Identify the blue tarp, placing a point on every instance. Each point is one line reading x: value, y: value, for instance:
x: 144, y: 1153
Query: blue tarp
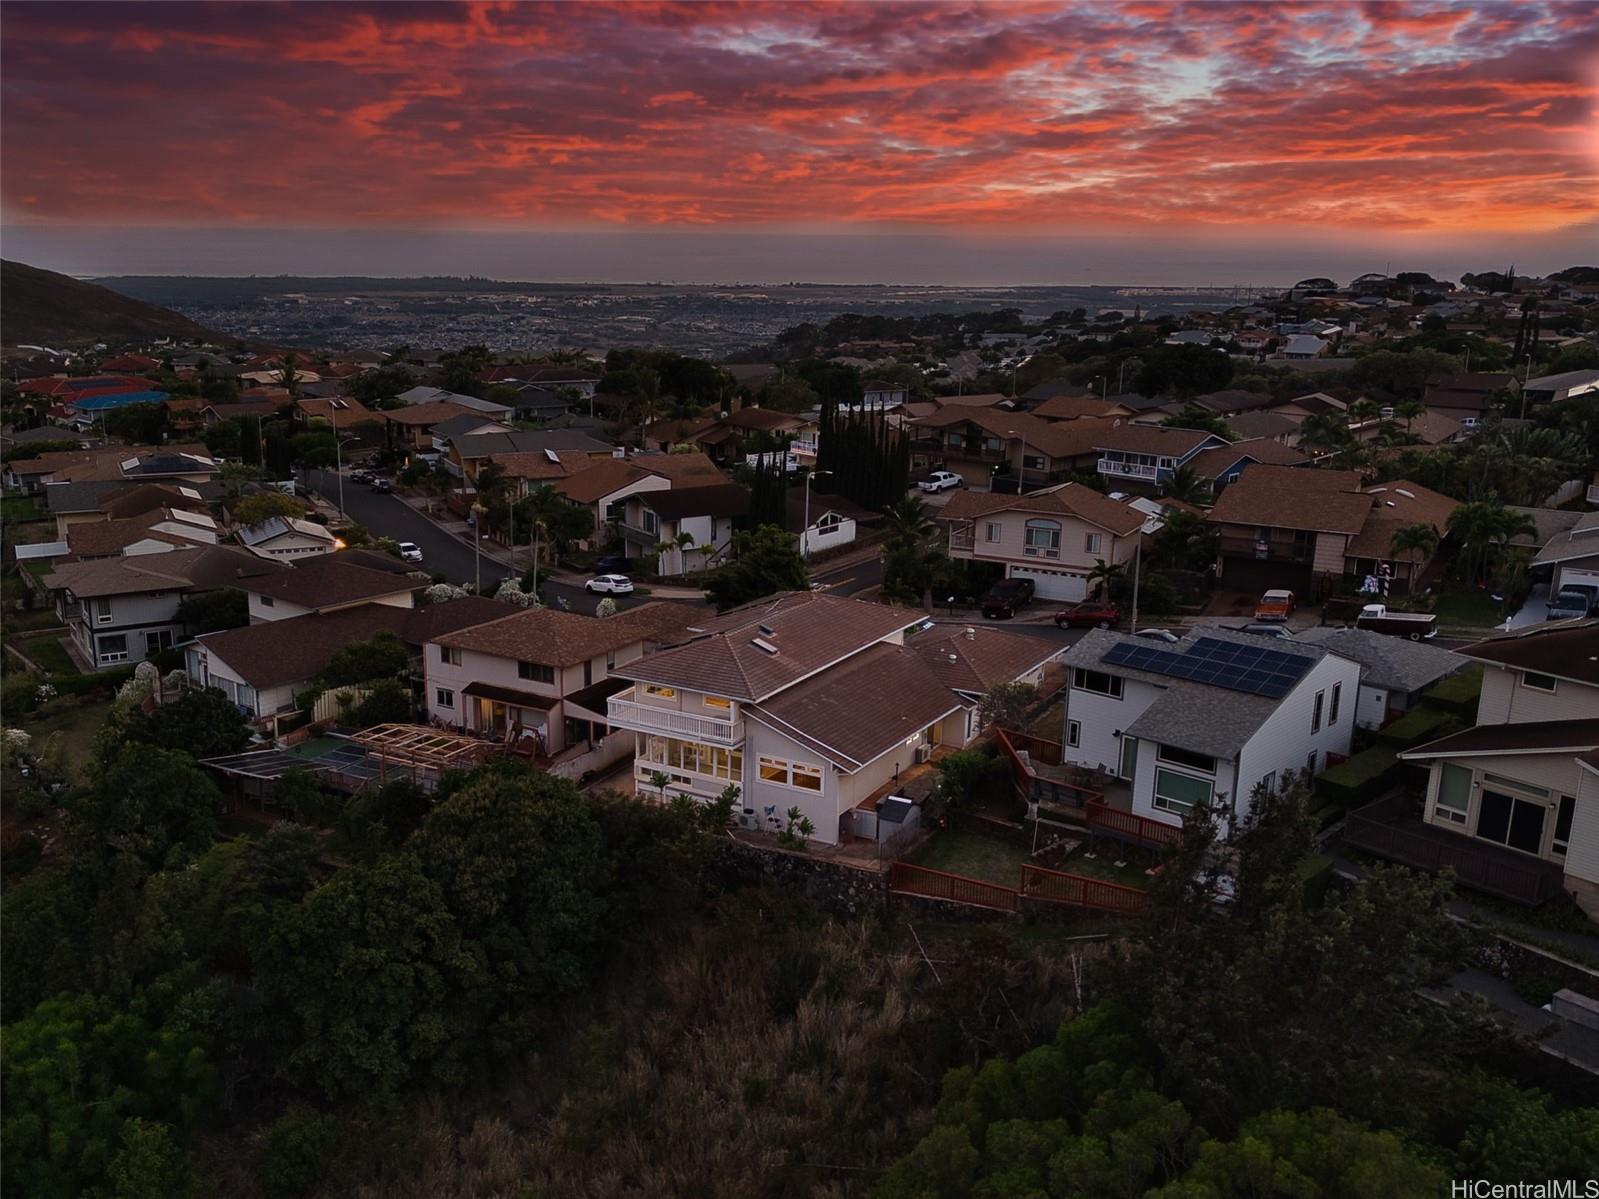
x: 120, y: 400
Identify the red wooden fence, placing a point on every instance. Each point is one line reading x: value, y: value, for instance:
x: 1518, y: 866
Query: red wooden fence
x: 1081, y: 891
x: 936, y: 884
x: 1140, y: 830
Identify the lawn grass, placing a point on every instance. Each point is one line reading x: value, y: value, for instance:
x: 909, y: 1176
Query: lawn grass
x: 1103, y: 866
x: 1469, y: 607
x: 19, y: 508
x: 975, y: 856
x: 49, y: 653
x: 77, y: 724
x: 39, y: 569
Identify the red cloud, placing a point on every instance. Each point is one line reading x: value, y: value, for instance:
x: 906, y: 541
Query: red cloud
x: 1399, y: 116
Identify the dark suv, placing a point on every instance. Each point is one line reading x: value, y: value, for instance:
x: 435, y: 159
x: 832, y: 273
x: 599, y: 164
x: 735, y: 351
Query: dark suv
x: 1007, y: 597
x: 1573, y: 601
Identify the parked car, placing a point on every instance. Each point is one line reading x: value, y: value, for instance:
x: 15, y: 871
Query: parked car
x: 612, y: 564
x: 1266, y: 630
x: 1573, y: 601
x: 1415, y: 625
x: 382, y: 486
x: 1158, y: 635
x: 360, y: 476
x: 1088, y: 615
x: 941, y: 480
x: 1007, y: 597
x: 410, y: 551
x: 1276, y: 604
x: 615, y: 584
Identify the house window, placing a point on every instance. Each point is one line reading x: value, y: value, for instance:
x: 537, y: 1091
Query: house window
x: 154, y: 643
x: 1043, y: 537
x: 717, y: 704
x: 658, y: 692
x: 1538, y: 682
x: 1562, y: 839
x: 1310, y: 763
x: 1074, y: 733
x: 1178, y: 793
x: 1315, y: 712
x: 1454, y: 794
x: 114, y: 648
x: 1129, y: 758
x: 1509, y: 821
x: 1268, y: 785
x: 1098, y: 682
x: 992, y: 531
x: 791, y: 774
x: 102, y: 611
x: 1033, y: 462
x: 651, y: 522
x: 1182, y: 757
x: 953, y: 440
x: 535, y: 672
x: 1091, y: 543
x: 1332, y: 709
x: 610, y: 660
x: 449, y: 655
x: 992, y: 443
x: 444, y: 697
x: 268, y: 602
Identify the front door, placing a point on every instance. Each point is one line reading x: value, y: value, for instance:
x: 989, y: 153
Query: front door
x: 1129, y: 756
x: 1510, y: 821
x: 491, y: 717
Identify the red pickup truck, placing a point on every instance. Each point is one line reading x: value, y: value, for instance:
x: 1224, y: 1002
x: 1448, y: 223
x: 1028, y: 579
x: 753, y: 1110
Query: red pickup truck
x: 1275, y: 605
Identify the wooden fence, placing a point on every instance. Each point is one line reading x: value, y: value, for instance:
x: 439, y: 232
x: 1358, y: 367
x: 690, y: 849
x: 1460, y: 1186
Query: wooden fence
x: 1128, y: 826
x: 1082, y: 891
x: 936, y: 884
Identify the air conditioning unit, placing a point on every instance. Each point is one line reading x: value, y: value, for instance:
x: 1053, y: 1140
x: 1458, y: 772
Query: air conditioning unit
x: 923, y: 752
x: 746, y: 819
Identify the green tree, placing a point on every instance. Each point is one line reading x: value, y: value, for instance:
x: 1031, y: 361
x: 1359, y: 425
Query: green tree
x: 1103, y: 576
x: 1186, y: 486
x: 381, y: 656
x: 908, y: 523
x: 298, y: 1146
x: 202, y: 721
x: 148, y: 1164
x: 253, y: 509
x: 209, y: 611
x: 1413, y: 543
x: 153, y: 803
x: 1197, y: 416
x: 764, y: 561
x: 388, y: 702
x: 1005, y: 704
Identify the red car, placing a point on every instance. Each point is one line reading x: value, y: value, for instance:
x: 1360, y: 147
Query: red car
x: 1088, y: 616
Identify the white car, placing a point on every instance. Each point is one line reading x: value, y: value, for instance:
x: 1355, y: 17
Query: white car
x: 615, y: 584
x: 941, y: 480
x: 410, y: 551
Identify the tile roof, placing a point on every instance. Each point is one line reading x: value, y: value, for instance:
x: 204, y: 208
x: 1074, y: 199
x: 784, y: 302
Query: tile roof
x: 810, y: 631
x: 974, y: 659
x: 552, y: 638
x: 1068, y: 499
x: 1391, y: 663
x: 678, y: 503
x: 1290, y: 497
x: 1075, y: 407
x: 1568, y: 649
x: 1153, y: 439
x: 1538, y: 736
x: 328, y: 580
x: 201, y: 568
x: 96, y: 537
x: 862, y: 708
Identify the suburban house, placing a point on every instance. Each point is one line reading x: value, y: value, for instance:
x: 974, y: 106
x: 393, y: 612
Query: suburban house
x: 977, y: 443
x: 880, y: 396
x: 125, y: 609
x: 1394, y: 671
x: 1267, y: 425
x: 438, y: 395
x: 1516, y: 795
x: 1551, y: 389
x: 154, y: 532
x: 1054, y: 537
x: 537, y: 401
x: 690, y: 528
x: 554, y: 377
x: 1149, y: 454
x: 1206, y: 720
x: 262, y: 667
x: 1572, y: 555
x: 340, y: 413
x: 287, y: 537
x: 1304, y: 345
x: 117, y: 499
x: 1469, y: 397
x: 418, y: 425
x: 834, y: 520
x: 1075, y: 407
x: 1222, y: 465
x: 468, y: 452
x: 972, y: 661
x: 177, y: 464
x: 603, y: 486
x: 801, y: 700
x: 328, y: 582
x: 540, y: 676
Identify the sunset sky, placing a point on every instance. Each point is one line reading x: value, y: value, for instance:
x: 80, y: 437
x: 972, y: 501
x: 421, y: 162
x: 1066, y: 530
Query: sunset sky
x: 1240, y: 140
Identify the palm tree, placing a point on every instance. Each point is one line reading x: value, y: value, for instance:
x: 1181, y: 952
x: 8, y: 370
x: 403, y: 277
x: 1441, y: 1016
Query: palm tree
x: 493, y: 485
x: 1363, y: 410
x: 1409, y: 411
x: 289, y: 373
x: 1485, y: 527
x: 1327, y: 430
x: 1103, y: 577
x: 1186, y: 485
x: 908, y: 522
x: 1415, y: 542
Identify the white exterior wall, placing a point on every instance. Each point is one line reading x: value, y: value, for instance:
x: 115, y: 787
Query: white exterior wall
x: 1557, y: 773
x: 133, y: 616
x: 266, y: 607
x: 1101, y: 720
x: 823, y: 807
x: 1505, y: 700
x: 1284, y: 740
x: 484, y: 668
x: 1579, y: 572
x: 1582, y: 856
x: 1223, y: 784
x: 292, y: 545
x: 814, y: 540
x: 1372, y: 711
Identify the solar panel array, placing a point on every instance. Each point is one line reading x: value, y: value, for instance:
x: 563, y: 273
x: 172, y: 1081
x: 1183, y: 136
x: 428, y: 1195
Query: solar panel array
x: 1251, y: 669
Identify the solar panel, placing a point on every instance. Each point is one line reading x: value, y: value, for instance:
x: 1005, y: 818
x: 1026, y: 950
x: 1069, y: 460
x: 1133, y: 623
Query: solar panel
x: 1248, y: 669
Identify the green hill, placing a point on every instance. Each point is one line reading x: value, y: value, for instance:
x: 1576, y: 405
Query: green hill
x: 44, y: 308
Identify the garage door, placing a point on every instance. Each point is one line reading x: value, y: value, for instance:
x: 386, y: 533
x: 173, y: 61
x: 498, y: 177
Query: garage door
x: 1578, y: 577
x: 1053, y: 584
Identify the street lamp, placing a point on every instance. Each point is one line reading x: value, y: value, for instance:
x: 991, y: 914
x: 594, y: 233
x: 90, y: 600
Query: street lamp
x: 477, y: 546
x: 805, y: 529
x: 338, y: 463
x: 1021, y: 463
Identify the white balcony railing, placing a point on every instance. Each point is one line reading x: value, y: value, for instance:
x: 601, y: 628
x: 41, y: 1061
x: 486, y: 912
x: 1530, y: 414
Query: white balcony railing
x: 624, y: 712
x: 1135, y: 470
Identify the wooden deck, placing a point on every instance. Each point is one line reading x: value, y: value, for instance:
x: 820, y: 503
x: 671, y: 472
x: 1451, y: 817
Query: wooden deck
x: 1391, y: 828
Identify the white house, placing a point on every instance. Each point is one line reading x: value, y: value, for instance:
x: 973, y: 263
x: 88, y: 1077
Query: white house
x: 880, y: 396
x: 1205, y: 720
x: 287, y: 537
x: 690, y: 528
x: 1394, y: 671
x: 803, y: 701
x: 1573, y: 554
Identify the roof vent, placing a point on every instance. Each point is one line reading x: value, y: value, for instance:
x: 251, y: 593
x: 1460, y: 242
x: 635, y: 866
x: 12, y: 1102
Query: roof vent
x: 766, y: 647
x: 954, y: 657
x: 767, y: 630
x: 971, y: 633
x: 552, y: 456
x: 1409, y: 495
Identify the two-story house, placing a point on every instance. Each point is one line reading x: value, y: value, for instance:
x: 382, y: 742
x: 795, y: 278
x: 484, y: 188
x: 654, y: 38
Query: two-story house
x: 287, y: 537
x: 329, y: 582
x: 125, y: 609
x: 603, y: 486
x: 688, y: 528
x: 1148, y: 455
x: 801, y: 700
x: 1205, y: 720
x: 1281, y: 526
x: 539, y: 675
x: 1055, y: 536
x: 1520, y: 789
x: 877, y: 395
x: 977, y: 443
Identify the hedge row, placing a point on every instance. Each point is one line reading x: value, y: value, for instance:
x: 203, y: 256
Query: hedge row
x: 1458, y: 693
x: 1416, y: 726
x: 1359, y: 778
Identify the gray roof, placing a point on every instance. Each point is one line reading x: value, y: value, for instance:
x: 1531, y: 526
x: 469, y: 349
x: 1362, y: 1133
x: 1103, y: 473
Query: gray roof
x: 1391, y: 663
x: 1547, y: 522
x: 276, y: 526
x: 87, y: 495
x: 1562, y: 381
x: 482, y: 445
x: 455, y: 426
x: 1579, y: 541
x: 1193, y: 716
x: 45, y: 433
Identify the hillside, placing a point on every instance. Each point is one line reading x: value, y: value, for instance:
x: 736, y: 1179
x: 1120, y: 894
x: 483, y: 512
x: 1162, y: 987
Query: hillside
x: 44, y: 308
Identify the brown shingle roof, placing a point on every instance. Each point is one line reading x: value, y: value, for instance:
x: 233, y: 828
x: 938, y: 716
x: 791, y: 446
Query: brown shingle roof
x: 862, y: 708
x: 1207, y: 463
x: 326, y: 581
x: 553, y: 638
x: 88, y: 538
x: 599, y: 479
x: 1290, y: 497
x: 973, y: 660
x: 677, y: 503
x: 767, y: 419
x: 200, y: 568
x: 146, y: 497
x: 279, y: 652
x: 1539, y: 736
x: 810, y: 631
x: 1566, y: 649
x: 1056, y: 439
x: 1152, y: 439
x: 341, y: 413
x: 536, y: 464
x: 1067, y: 407
x: 430, y: 413
x: 1070, y: 499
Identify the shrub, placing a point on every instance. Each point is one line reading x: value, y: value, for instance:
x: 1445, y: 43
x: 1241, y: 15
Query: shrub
x: 1458, y: 693
x: 1416, y: 726
x: 1360, y: 777
x: 298, y: 1144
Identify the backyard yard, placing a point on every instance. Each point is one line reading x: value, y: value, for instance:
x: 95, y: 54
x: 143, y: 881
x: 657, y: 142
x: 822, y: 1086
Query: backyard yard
x: 77, y: 724
x: 975, y: 856
x: 48, y: 652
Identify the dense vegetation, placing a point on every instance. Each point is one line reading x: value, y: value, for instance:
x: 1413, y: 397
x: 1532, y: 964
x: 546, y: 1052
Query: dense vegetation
x: 52, y: 309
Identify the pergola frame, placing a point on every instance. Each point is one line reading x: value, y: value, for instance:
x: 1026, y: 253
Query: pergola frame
x: 419, y: 746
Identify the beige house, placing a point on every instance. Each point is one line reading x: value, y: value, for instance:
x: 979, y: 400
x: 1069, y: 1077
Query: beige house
x: 1055, y: 537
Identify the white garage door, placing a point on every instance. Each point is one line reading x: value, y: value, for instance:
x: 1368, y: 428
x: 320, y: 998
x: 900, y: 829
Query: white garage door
x: 1053, y: 584
x: 1578, y: 577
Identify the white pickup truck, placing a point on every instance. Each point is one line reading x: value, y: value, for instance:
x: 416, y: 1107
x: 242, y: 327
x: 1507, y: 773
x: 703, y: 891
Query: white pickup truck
x: 941, y: 480
x: 1415, y: 625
